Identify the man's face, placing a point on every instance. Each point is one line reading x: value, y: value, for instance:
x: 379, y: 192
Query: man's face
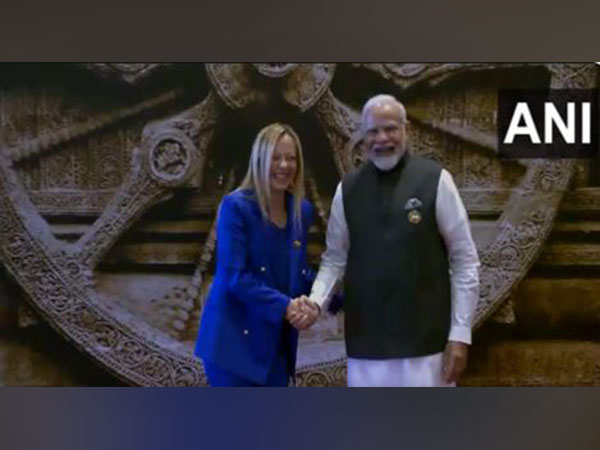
x: 385, y: 136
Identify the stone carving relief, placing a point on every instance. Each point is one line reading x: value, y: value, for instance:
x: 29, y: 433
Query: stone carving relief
x: 302, y: 84
x: 170, y: 154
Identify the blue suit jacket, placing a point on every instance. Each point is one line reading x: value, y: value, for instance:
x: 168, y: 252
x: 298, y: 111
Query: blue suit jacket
x: 243, y: 316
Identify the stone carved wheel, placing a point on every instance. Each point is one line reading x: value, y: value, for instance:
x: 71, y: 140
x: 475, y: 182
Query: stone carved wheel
x: 125, y: 168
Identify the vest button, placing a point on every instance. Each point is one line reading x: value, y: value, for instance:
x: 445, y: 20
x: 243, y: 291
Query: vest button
x: 263, y: 269
x: 246, y: 332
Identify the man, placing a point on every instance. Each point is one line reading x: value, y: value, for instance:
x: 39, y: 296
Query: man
x: 400, y: 233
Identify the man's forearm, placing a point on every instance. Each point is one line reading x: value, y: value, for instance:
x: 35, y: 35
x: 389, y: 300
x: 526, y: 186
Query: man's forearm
x: 325, y: 284
x: 333, y: 262
x: 465, y: 294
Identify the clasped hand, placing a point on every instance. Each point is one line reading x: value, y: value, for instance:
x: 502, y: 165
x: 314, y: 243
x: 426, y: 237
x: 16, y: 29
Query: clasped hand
x: 302, y: 313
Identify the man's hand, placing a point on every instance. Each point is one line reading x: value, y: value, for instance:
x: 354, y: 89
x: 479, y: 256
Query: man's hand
x: 455, y: 360
x: 302, y: 313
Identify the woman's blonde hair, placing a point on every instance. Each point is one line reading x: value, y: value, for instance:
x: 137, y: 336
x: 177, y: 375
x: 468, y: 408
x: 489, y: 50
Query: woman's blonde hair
x: 259, y: 168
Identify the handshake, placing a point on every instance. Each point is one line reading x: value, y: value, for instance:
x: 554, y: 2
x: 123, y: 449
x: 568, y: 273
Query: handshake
x: 302, y: 312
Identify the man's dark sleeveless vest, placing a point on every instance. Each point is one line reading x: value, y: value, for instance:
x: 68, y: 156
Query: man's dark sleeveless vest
x: 397, y: 285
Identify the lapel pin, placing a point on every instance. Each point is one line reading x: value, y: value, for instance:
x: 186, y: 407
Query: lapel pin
x: 414, y: 217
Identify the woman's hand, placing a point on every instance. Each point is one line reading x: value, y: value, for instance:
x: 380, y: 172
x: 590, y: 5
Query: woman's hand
x: 302, y: 313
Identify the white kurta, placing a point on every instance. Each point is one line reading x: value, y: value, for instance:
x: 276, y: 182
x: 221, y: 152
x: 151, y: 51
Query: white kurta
x: 453, y: 225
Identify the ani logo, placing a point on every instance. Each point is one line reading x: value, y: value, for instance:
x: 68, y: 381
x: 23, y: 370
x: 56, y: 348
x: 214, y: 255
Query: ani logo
x: 555, y: 123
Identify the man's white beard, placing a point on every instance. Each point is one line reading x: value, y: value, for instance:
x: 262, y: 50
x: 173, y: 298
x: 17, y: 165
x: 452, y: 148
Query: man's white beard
x: 386, y: 163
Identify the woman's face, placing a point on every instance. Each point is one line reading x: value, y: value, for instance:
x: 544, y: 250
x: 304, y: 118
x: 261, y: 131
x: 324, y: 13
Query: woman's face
x: 283, y: 164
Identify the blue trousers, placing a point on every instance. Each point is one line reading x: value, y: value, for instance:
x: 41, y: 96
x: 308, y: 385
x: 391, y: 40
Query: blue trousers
x: 278, y: 375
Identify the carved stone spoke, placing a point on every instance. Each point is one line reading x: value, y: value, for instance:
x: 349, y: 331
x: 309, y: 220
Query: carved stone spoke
x: 341, y: 124
x: 468, y: 135
x: 38, y: 146
x: 172, y: 152
x: 134, y: 198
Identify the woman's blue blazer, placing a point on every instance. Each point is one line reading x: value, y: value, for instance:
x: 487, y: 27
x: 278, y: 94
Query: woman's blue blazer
x: 242, y: 320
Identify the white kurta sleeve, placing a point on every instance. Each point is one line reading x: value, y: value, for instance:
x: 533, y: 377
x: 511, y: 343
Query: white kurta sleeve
x: 333, y: 260
x: 453, y: 225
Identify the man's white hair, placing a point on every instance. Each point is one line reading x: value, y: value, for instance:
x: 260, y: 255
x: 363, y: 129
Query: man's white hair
x: 383, y: 99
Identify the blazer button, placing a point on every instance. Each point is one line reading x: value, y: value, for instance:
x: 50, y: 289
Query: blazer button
x: 303, y: 271
x: 246, y: 332
x: 263, y: 269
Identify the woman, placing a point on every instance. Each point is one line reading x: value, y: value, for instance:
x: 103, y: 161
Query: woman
x: 246, y: 336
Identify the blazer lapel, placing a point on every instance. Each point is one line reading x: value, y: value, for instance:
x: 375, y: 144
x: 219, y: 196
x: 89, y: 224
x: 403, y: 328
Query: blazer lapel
x: 294, y: 236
